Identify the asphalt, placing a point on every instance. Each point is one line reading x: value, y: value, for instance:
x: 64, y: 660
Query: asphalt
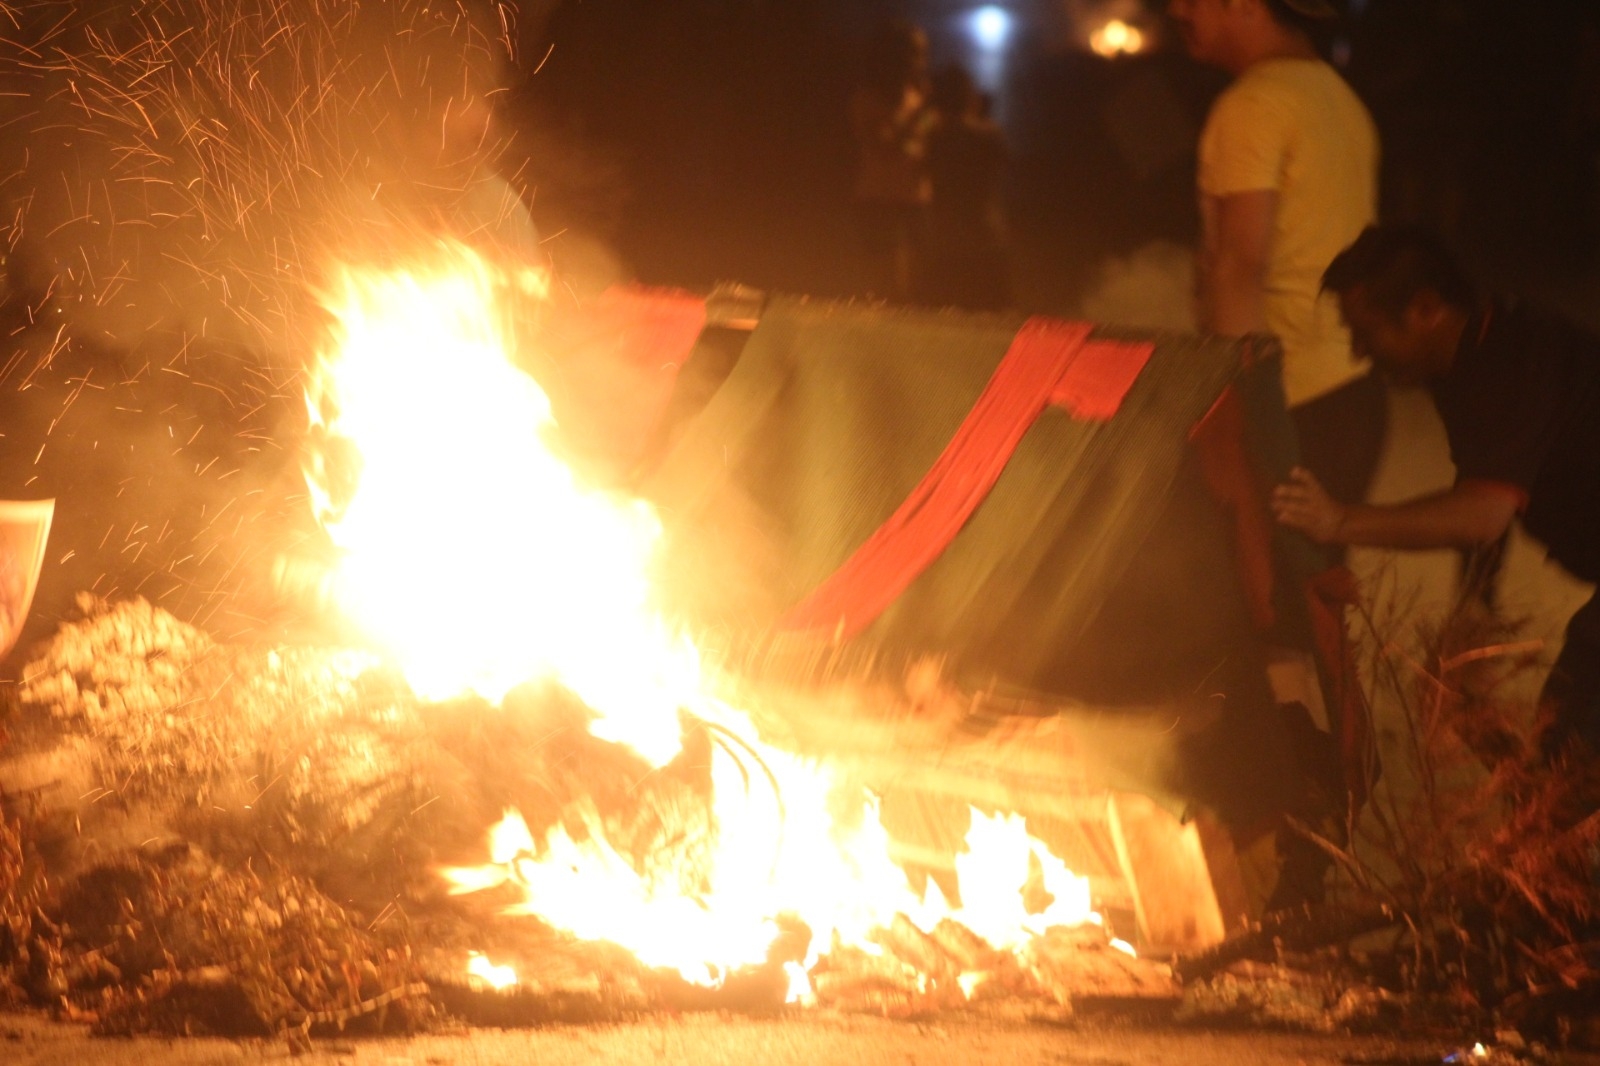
x: 713, y: 1040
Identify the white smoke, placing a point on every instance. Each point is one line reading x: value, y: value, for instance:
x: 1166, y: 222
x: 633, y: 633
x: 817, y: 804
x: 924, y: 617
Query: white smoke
x: 1152, y: 287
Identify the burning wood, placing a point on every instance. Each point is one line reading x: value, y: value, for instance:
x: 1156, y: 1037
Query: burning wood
x: 322, y: 765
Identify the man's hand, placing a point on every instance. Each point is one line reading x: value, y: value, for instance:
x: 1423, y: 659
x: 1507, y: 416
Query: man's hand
x: 1302, y: 503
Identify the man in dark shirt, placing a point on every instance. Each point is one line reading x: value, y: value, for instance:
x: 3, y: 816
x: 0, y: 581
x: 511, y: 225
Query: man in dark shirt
x: 1519, y: 393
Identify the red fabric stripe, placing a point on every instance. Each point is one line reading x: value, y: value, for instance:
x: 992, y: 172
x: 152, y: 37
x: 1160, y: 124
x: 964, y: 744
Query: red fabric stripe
x: 1095, y: 383
x: 925, y: 524
x: 1329, y: 595
x: 1218, y: 438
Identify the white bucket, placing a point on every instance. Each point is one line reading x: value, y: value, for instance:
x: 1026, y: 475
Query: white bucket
x: 24, y: 528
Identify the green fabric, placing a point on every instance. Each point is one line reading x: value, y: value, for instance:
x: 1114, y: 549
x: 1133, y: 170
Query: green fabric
x: 1098, y: 570
x: 833, y: 415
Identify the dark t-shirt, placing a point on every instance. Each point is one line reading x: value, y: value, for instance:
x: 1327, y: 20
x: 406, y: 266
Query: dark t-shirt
x: 1521, y: 406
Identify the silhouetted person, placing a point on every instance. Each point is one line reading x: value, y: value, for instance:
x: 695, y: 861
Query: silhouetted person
x: 888, y: 119
x: 964, y: 255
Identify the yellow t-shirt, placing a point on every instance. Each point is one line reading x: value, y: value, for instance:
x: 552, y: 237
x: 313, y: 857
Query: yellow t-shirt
x: 1293, y: 126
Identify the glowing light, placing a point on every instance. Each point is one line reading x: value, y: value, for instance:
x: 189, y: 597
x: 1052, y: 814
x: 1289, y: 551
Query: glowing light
x: 460, y: 510
x: 799, y: 987
x: 1116, y: 38
x: 481, y: 969
x: 835, y: 877
x: 990, y: 26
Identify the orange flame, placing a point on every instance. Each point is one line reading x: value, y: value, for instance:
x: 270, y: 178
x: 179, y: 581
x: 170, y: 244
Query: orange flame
x: 499, y: 978
x: 469, y: 550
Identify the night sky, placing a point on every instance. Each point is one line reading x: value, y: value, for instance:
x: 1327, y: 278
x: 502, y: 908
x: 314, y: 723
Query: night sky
x: 720, y: 128
x: 179, y: 171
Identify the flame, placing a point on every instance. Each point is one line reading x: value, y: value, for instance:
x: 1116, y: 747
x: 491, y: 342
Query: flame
x: 462, y: 511
x: 841, y: 884
x: 472, y: 554
x: 498, y: 978
x: 1116, y: 38
x: 992, y: 873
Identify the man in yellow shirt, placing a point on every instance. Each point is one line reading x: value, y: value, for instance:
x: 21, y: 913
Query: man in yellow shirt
x: 1288, y: 179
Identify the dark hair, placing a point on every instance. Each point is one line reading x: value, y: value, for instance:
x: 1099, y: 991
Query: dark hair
x: 1394, y: 263
x: 1320, y: 29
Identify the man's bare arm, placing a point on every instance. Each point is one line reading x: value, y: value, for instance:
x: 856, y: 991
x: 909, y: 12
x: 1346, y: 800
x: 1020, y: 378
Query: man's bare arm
x: 1472, y: 513
x: 1233, y: 292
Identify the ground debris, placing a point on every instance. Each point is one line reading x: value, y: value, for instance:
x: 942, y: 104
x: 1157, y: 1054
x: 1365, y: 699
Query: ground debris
x: 172, y: 710
x: 168, y: 941
x: 1507, y: 1048
x: 1322, y: 998
x: 1299, y: 929
x: 223, y: 796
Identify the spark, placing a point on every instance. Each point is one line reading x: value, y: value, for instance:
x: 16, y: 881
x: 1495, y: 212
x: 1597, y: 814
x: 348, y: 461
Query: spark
x: 188, y: 168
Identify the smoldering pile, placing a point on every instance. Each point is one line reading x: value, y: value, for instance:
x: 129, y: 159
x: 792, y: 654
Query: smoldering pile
x: 205, y: 836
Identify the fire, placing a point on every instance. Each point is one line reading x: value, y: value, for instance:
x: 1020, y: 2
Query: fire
x: 1116, y: 38
x: 463, y: 512
x: 841, y: 885
x: 475, y: 557
x: 497, y: 977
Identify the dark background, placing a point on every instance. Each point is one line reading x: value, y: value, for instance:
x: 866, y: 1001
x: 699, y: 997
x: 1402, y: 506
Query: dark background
x: 172, y: 202
x: 705, y: 141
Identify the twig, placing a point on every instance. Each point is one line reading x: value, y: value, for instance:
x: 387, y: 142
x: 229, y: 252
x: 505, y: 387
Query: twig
x: 302, y: 1021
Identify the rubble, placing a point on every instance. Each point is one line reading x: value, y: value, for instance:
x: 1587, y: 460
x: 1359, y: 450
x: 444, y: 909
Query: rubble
x: 204, y: 837
x: 192, y: 810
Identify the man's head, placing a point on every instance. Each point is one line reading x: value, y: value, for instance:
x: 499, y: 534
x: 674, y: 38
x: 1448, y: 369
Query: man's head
x: 1232, y: 34
x: 1405, y: 299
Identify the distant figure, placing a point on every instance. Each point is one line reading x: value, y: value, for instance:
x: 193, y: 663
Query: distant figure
x: 964, y: 255
x: 888, y: 118
x: 1288, y: 178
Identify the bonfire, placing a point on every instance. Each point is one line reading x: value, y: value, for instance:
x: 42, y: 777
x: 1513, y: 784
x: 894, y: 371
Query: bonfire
x: 351, y: 697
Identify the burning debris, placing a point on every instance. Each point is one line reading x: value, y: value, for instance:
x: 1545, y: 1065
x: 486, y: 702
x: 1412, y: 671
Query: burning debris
x: 284, y: 777
x: 280, y: 837
x: 726, y: 869
x: 667, y: 825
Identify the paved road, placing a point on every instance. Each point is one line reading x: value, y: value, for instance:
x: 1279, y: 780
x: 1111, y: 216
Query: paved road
x: 708, y: 1040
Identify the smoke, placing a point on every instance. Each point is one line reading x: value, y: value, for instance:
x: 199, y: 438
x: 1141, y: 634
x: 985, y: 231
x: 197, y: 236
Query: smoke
x: 1151, y: 287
